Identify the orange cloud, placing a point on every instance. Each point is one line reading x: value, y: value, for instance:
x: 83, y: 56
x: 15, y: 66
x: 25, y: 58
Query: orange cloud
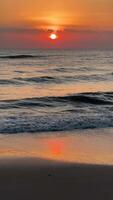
x: 86, y: 23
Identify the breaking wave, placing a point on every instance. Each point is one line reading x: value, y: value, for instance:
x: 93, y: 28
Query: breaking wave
x: 45, y: 114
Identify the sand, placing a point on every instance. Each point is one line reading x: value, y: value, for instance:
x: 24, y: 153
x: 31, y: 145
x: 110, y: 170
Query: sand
x: 33, y: 179
x: 25, y: 174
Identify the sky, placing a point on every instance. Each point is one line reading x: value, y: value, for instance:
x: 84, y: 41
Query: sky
x: 78, y: 24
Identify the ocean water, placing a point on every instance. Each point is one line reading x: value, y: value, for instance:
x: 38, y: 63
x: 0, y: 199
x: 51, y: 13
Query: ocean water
x: 55, y: 90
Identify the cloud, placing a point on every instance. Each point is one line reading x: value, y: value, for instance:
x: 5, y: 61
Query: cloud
x: 19, y: 30
x: 27, y: 35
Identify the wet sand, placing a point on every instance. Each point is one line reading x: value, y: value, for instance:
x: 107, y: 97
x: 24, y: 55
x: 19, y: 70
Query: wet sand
x: 30, y: 178
x: 32, y: 167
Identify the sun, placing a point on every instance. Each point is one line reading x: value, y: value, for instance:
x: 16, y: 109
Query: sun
x: 53, y: 36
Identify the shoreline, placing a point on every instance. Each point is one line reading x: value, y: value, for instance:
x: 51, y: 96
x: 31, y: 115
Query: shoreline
x: 39, y: 167
x: 29, y: 178
x: 83, y: 146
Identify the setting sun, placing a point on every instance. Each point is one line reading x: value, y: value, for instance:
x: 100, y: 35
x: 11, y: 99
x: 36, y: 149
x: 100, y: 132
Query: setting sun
x: 53, y: 36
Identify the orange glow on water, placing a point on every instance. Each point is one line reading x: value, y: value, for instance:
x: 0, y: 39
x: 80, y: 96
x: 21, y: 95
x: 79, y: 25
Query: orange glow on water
x: 55, y: 147
x: 93, y: 146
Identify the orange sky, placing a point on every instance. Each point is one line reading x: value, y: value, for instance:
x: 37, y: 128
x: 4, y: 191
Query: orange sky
x: 83, y: 23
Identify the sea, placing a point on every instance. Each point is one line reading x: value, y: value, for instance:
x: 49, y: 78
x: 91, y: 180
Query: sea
x: 57, y: 105
x: 55, y: 90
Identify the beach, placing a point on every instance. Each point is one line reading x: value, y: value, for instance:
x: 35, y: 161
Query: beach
x: 45, y: 179
x: 54, y: 167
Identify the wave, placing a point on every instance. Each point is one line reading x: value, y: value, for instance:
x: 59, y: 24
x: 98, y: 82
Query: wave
x: 62, y: 79
x: 21, y: 56
x: 42, y: 79
x: 26, y: 56
x: 53, y: 122
x: 81, y: 99
x: 87, y: 99
x: 62, y: 113
x: 55, y: 79
x: 4, y: 81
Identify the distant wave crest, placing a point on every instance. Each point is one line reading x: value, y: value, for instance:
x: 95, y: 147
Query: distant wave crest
x: 20, y: 56
x: 42, y: 79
